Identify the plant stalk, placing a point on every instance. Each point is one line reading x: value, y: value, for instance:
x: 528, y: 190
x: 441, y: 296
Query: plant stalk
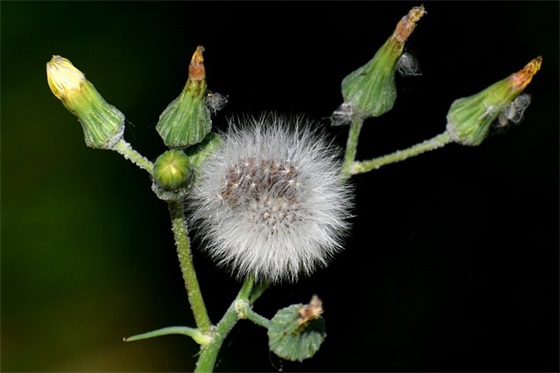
x: 182, y: 242
x: 400, y: 155
x: 122, y: 147
x: 351, y: 147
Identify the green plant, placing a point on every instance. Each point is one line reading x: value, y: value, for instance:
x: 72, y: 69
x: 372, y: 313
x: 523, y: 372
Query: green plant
x: 182, y: 178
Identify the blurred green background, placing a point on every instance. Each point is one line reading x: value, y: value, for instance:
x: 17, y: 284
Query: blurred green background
x: 453, y: 261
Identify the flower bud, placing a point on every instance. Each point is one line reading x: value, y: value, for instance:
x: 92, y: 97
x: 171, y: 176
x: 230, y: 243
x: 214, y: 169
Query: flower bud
x: 371, y: 89
x: 103, y: 124
x: 186, y: 121
x: 469, y: 119
x: 171, y: 175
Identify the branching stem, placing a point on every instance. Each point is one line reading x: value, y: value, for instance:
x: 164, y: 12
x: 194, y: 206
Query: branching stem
x: 400, y: 155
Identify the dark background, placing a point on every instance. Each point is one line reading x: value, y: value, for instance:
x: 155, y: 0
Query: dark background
x: 453, y: 260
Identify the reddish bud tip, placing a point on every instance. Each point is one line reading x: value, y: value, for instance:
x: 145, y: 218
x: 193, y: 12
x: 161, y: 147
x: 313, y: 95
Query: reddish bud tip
x: 196, y: 67
x: 523, y: 77
x: 407, y: 23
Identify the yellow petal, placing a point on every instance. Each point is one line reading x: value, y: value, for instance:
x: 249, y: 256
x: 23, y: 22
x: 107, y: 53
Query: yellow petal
x: 63, y: 78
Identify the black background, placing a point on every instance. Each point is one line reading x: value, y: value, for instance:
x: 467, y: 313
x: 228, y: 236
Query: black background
x: 452, y: 264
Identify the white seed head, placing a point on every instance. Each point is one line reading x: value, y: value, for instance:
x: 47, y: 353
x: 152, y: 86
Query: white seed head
x: 270, y: 202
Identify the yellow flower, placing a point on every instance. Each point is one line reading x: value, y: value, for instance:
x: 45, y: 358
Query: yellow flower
x: 103, y: 124
x: 63, y: 78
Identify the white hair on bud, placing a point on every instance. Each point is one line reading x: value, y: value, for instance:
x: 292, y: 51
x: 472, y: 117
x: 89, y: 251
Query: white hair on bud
x: 514, y: 111
x: 407, y: 65
x: 215, y: 101
x: 270, y: 201
x: 343, y: 115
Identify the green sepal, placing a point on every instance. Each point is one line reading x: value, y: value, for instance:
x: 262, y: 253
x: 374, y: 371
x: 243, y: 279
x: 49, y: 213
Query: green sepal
x: 371, y: 89
x: 102, y: 123
x: 469, y: 119
x: 293, y: 340
x: 186, y: 120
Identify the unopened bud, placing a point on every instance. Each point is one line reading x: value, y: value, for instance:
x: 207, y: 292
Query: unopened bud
x: 186, y: 121
x: 103, y: 124
x: 470, y: 118
x: 172, y: 175
x: 371, y: 89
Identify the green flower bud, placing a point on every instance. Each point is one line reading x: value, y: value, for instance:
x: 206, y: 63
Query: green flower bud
x: 172, y: 175
x: 371, y: 90
x: 469, y: 119
x: 186, y: 121
x: 103, y: 124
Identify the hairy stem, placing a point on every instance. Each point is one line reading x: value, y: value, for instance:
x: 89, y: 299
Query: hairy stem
x: 257, y: 319
x: 351, y: 147
x: 122, y: 147
x: 400, y: 155
x: 183, y: 244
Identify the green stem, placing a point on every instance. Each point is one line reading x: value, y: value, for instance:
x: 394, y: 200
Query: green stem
x: 195, y: 334
x: 400, y: 155
x: 209, y: 352
x: 183, y: 244
x: 351, y: 147
x: 122, y: 147
x: 257, y: 319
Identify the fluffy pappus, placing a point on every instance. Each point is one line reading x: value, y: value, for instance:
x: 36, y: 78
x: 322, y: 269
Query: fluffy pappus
x: 270, y: 201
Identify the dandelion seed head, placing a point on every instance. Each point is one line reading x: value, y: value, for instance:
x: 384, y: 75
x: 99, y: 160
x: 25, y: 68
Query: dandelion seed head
x: 270, y: 202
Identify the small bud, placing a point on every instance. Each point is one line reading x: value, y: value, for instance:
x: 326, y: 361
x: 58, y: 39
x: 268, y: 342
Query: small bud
x: 470, y: 118
x: 371, y: 89
x: 186, y: 121
x: 103, y: 124
x: 171, y: 175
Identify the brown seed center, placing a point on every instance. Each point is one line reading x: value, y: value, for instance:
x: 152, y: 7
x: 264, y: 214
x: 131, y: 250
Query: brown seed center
x: 261, y: 183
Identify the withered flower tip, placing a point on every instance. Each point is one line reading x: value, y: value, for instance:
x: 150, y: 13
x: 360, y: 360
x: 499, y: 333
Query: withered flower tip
x: 523, y: 77
x: 407, y: 23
